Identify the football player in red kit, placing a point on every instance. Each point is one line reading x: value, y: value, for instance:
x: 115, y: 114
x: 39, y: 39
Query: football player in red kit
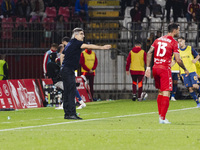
x: 163, y: 48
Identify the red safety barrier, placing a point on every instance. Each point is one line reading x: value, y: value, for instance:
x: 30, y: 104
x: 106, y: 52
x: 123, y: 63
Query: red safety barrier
x: 83, y: 90
x: 25, y: 93
x: 29, y: 93
x: 6, y: 100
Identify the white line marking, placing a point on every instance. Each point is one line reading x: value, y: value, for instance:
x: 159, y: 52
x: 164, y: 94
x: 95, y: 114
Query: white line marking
x: 36, y: 119
x: 53, y: 124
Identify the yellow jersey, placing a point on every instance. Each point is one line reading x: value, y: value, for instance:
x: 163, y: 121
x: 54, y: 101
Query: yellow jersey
x: 197, y: 64
x: 187, y: 57
x: 137, y: 61
x: 175, y: 68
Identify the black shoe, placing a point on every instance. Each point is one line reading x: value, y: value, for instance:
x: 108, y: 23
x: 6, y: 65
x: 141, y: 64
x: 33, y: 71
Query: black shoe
x: 74, y: 117
x: 134, y: 97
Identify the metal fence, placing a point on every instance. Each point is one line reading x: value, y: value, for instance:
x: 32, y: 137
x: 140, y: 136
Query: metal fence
x: 26, y: 43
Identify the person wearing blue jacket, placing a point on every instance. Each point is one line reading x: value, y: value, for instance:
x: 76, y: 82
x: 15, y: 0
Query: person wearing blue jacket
x: 81, y: 9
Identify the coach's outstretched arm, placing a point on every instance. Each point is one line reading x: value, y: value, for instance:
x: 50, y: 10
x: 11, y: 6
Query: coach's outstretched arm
x: 149, y: 57
x: 92, y: 46
x: 180, y: 62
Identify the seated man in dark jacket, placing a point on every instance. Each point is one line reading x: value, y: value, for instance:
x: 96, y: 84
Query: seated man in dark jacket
x: 53, y: 69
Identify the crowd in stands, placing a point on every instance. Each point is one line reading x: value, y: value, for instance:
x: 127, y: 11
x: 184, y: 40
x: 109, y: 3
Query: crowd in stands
x: 180, y: 8
x: 153, y: 15
x: 53, y: 14
x: 41, y: 9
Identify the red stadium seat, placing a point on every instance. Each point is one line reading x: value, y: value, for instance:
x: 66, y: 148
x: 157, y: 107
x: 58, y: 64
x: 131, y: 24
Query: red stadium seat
x: 21, y: 21
x: 48, y: 23
x: 7, y: 23
x: 51, y: 12
x: 7, y: 26
x: 64, y: 11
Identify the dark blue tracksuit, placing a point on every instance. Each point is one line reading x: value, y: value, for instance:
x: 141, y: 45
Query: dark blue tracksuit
x: 72, y: 52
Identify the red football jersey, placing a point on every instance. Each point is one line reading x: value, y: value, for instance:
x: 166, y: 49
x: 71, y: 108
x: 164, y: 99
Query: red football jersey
x: 164, y: 47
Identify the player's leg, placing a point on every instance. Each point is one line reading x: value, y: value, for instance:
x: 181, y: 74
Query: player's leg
x: 194, y: 81
x: 140, y: 86
x: 80, y: 100
x: 134, y: 86
x: 157, y: 85
x: 175, y: 81
x: 188, y: 83
x: 91, y: 83
x: 165, y: 87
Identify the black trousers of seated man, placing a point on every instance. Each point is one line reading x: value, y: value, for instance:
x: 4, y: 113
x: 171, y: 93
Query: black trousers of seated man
x: 69, y: 84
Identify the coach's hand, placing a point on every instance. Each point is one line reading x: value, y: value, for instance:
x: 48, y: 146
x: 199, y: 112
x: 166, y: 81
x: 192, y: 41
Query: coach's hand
x: 106, y: 47
x: 148, y: 72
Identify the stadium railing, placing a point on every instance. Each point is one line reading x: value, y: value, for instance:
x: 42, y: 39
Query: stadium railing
x: 25, y: 46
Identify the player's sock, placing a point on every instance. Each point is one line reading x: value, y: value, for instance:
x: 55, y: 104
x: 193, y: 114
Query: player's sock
x: 194, y: 96
x: 198, y: 90
x: 164, y: 107
x: 174, y: 90
x: 78, y: 95
x: 159, y: 102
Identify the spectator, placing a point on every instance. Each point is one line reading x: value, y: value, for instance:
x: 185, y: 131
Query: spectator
x: 81, y: 9
x: 184, y: 7
x: 60, y: 29
x: 177, y: 11
x: 50, y: 3
x: 136, y: 17
x: 156, y: 9
x: 124, y: 4
x: 35, y: 25
x: 176, y: 5
x: 65, y: 3
x: 142, y: 6
x: 168, y: 6
x: 193, y: 8
x: 88, y: 61
x: 24, y: 8
x: 38, y: 8
x: 136, y: 61
x: 3, y: 68
x: 158, y: 34
x: 47, y: 59
x: 150, y: 40
x: 8, y: 8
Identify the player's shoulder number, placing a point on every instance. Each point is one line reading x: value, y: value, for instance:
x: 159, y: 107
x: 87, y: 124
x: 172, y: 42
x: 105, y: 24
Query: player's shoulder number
x: 161, y: 45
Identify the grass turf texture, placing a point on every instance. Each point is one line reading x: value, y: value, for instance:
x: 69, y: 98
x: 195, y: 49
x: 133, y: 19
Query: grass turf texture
x: 117, y: 125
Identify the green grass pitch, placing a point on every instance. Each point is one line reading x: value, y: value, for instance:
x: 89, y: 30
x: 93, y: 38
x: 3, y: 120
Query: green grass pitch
x: 106, y: 125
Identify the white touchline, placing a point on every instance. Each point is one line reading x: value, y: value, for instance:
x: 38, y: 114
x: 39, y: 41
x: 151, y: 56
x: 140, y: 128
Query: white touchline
x: 53, y: 124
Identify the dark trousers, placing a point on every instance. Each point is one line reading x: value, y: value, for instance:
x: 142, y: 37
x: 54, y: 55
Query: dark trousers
x: 91, y: 83
x: 137, y: 80
x: 69, y: 84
